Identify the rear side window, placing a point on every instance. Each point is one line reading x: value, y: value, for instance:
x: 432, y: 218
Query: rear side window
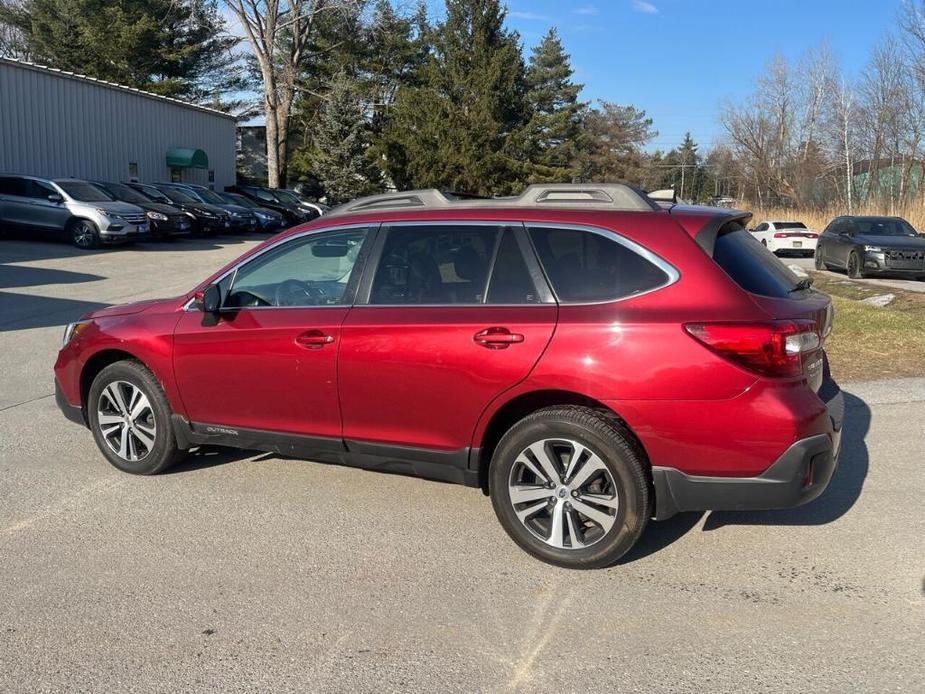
x: 584, y: 266
x: 434, y: 264
x: 751, y: 265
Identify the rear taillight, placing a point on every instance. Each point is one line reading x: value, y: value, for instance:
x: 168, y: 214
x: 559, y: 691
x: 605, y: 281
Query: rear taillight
x: 776, y: 348
x: 780, y: 235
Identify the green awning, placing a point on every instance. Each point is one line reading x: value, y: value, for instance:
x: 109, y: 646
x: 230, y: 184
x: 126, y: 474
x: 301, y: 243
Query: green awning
x: 187, y: 158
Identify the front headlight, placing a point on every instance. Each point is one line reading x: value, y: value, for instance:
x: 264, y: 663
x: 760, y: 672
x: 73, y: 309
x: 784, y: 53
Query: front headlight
x: 107, y: 213
x: 873, y: 249
x: 262, y: 216
x: 157, y: 216
x: 72, y: 330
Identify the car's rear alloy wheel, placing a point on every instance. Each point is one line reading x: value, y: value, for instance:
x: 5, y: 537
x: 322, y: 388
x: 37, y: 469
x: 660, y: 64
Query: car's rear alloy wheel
x: 563, y: 493
x: 130, y: 419
x: 569, y: 486
x: 84, y: 234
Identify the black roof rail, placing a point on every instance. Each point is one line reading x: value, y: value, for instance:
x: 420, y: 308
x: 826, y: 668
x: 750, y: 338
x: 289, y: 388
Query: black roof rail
x: 608, y: 196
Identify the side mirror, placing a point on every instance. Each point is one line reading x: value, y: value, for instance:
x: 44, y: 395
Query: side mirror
x: 211, y: 300
x: 54, y: 197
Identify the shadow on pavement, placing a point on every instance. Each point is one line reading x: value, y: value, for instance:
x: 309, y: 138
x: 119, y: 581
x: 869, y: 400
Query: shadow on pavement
x: 842, y: 493
x: 19, y: 247
x: 27, y: 311
x: 212, y: 456
x: 15, y: 276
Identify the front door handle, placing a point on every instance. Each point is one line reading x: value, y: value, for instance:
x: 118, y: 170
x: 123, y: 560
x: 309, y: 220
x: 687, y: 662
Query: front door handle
x: 314, y: 339
x: 497, y: 338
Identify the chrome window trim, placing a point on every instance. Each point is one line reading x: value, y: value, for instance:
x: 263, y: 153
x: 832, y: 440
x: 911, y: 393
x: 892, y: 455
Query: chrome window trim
x: 287, y: 239
x: 672, y: 273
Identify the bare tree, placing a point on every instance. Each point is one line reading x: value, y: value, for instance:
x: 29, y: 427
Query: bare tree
x: 280, y: 33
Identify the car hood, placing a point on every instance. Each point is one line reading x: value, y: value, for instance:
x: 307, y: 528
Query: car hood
x: 204, y: 207
x: 161, y: 207
x: 115, y: 207
x: 238, y: 209
x: 129, y: 309
x: 268, y: 212
x: 916, y: 243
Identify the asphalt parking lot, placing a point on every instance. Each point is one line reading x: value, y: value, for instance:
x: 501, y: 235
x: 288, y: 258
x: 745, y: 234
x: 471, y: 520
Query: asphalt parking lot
x: 250, y: 572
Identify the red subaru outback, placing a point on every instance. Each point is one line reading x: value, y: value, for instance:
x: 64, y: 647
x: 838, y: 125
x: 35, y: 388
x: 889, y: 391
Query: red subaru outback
x: 588, y: 358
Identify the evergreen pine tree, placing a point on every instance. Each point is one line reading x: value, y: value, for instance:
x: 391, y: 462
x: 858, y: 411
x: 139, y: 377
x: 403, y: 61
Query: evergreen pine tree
x: 171, y: 47
x: 554, y: 112
x: 450, y: 128
x: 340, y: 142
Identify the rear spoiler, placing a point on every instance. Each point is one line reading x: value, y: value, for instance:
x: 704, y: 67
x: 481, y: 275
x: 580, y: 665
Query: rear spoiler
x: 705, y: 234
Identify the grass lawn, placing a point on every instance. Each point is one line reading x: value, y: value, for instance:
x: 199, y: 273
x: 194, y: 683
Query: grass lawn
x: 868, y: 342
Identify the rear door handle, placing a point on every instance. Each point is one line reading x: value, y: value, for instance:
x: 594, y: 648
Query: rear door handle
x: 497, y: 338
x: 314, y: 339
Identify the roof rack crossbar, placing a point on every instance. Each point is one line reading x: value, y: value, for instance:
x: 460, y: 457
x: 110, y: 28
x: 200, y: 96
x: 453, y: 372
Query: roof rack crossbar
x: 612, y: 196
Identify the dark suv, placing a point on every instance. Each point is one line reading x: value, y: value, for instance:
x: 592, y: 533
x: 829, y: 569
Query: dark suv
x: 872, y: 246
x: 587, y: 358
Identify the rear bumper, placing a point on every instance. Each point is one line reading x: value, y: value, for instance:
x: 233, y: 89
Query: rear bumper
x: 798, y: 476
x: 72, y: 412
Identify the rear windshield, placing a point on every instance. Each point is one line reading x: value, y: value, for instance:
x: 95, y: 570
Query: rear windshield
x: 751, y: 265
x: 789, y: 225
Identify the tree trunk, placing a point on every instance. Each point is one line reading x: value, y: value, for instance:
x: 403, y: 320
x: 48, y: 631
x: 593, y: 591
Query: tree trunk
x: 272, y: 126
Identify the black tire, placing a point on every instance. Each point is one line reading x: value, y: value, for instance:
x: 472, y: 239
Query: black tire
x: 604, y: 436
x: 854, y: 269
x: 818, y: 261
x: 84, y: 234
x: 164, y: 452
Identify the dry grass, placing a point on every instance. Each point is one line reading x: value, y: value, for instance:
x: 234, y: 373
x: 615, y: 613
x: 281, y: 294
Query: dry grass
x: 818, y: 219
x: 868, y: 342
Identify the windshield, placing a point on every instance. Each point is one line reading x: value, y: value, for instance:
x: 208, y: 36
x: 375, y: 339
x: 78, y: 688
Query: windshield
x: 177, y: 195
x: 286, y: 196
x: 884, y: 226
x: 210, y: 196
x: 265, y: 195
x: 154, y: 194
x: 238, y: 200
x: 83, y: 191
x: 124, y: 193
x: 789, y: 225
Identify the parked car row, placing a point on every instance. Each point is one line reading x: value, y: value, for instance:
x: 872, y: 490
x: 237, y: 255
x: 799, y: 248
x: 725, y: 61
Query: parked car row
x: 859, y: 245
x: 92, y: 213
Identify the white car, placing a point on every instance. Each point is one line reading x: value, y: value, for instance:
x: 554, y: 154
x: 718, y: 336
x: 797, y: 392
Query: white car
x: 787, y: 237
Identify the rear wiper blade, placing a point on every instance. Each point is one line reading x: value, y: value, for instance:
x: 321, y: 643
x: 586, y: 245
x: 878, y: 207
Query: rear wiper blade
x: 802, y: 284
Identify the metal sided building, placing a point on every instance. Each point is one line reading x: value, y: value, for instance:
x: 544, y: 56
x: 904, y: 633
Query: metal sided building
x: 58, y: 124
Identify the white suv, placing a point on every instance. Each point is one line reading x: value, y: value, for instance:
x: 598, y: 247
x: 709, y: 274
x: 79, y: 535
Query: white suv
x: 88, y: 215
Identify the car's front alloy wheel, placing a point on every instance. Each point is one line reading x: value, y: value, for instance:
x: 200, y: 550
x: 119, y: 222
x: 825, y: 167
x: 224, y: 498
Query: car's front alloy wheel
x: 84, y: 234
x: 126, y: 421
x: 130, y: 419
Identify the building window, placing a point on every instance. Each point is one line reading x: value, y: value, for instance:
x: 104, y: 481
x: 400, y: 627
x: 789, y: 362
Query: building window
x: 133, y: 171
x: 176, y: 174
